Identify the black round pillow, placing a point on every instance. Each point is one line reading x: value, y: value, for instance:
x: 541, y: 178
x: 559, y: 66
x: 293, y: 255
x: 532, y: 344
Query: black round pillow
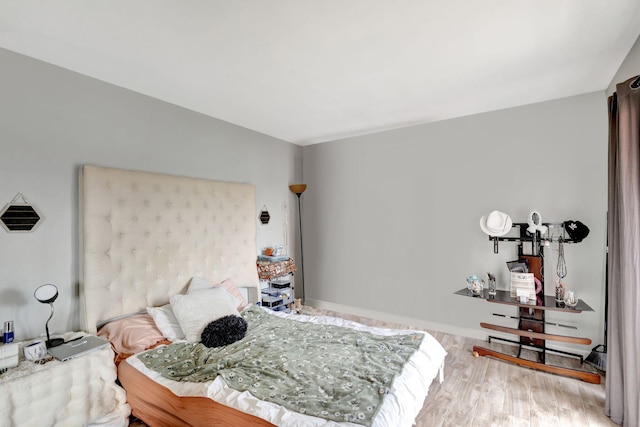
x: 223, y: 331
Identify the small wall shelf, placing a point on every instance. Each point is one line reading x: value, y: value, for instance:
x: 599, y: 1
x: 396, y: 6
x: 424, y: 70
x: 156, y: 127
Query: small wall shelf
x: 548, y: 303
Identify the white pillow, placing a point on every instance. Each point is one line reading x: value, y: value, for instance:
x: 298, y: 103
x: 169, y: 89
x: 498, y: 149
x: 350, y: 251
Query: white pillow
x: 197, y: 309
x: 166, y: 322
x: 199, y: 283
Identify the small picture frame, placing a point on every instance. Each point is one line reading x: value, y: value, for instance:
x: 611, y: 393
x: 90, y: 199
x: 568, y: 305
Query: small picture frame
x: 517, y: 266
x: 523, y: 284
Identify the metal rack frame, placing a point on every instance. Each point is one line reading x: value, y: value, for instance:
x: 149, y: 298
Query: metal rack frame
x: 531, y: 318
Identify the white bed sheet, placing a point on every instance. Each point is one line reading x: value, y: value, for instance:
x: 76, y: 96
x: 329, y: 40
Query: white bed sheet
x: 399, y: 408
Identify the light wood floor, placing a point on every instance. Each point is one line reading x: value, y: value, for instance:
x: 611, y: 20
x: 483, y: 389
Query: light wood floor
x: 481, y: 391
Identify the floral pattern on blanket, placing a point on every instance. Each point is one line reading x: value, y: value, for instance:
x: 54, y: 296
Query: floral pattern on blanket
x: 326, y: 371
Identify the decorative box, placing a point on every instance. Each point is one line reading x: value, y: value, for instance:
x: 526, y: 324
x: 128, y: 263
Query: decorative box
x: 268, y: 270
x: 269, y: 301
x: 280, y: 284
x: 523, y: 283
x: 271, y: 292
x: 9, y: 355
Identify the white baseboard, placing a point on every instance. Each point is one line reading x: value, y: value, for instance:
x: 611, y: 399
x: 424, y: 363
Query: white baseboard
x: 387, y: 317
x: 478, y: 334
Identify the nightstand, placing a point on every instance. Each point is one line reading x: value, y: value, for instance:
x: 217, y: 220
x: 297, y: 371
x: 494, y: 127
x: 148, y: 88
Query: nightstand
x: 78, y: 392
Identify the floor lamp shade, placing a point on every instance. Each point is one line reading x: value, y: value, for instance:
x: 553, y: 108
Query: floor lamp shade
x: 298, y: 189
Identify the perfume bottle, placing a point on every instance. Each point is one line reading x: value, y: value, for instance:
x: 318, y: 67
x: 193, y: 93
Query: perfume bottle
x: 7, y: 336
x: 492, y: 284
x: 559, y: 291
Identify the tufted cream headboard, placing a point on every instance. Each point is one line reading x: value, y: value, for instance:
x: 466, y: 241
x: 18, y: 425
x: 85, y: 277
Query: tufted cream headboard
x: 144, y: 235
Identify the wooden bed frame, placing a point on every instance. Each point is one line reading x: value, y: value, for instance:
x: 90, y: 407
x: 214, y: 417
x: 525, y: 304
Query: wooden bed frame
x: 177, y: 411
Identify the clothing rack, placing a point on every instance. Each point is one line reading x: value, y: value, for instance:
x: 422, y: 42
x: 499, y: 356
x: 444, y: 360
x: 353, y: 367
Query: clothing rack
x: 536, y: 238
x: 530, y: 331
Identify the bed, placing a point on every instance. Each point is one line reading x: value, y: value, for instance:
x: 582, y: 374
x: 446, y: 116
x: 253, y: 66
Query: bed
x: 153, y: 245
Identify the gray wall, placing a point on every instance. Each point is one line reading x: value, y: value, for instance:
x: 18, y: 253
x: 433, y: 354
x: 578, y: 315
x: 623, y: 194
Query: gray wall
x: 53, y: 120
x: 629, y: 68
x: 391, y: 220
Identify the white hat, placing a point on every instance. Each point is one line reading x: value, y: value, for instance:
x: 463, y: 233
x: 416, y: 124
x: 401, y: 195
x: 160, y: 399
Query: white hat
x: 496, y: 223
x: 535, y: 223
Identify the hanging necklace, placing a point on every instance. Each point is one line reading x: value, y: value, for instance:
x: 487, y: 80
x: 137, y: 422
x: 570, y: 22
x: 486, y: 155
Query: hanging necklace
x: 561, y: 268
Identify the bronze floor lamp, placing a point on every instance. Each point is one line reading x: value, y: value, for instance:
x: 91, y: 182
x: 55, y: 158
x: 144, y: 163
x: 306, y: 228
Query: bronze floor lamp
x: 298, y: 189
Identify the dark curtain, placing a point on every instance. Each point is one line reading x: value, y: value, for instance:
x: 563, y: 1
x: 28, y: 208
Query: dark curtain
x: 623, y: 322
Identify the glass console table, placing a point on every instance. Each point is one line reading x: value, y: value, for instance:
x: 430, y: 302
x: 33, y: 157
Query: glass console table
x: 549, y: 302
x: 531, y: 332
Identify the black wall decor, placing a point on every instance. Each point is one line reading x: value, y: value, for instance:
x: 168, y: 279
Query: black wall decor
x: 264, y: 215
x: 19, y: 217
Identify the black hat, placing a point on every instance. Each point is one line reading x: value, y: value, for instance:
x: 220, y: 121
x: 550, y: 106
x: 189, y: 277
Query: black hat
x: 576, y: 230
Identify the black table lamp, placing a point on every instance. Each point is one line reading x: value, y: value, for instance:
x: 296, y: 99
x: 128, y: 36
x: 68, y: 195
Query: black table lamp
x: 47, y: 294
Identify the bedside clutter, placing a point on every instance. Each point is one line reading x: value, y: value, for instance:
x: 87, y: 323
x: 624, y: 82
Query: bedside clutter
x: 78, y: 392
x: 276, y: 278
x: 279, y: 295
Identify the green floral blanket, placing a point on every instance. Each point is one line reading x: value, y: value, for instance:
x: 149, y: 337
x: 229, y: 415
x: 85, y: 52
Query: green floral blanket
x: 327, y: 371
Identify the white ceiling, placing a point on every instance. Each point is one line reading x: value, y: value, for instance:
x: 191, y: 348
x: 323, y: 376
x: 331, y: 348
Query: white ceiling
x: 313, y: 71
